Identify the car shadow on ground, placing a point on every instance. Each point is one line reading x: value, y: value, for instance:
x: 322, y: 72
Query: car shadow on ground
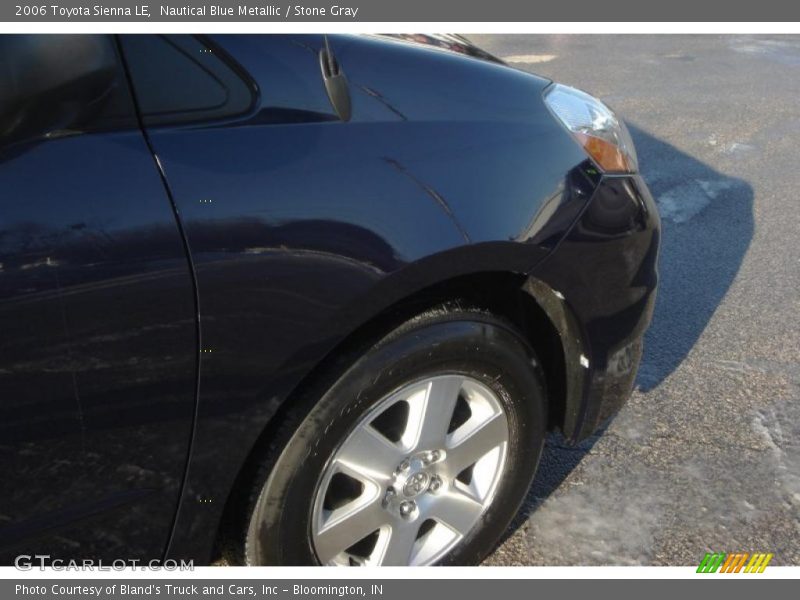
x: 707, y: 226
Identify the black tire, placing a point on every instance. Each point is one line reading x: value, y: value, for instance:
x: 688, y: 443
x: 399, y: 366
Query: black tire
x: 468, y: 342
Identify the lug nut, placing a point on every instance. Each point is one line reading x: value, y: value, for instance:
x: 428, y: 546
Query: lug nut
x: 406, y: 508
x: 390, y: 494
x: 435, y: 485
x: 418, y: 482
x: 431, y: 456
x: 404, y: 466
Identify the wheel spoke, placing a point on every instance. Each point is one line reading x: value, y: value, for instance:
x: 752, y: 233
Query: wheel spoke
x: 367, y: 453
x: 347, y: 525
x: 399, y: 544
x: 470, y: 447
x: 431, y: 412
x: 378, y: 487
x: 457, y: 510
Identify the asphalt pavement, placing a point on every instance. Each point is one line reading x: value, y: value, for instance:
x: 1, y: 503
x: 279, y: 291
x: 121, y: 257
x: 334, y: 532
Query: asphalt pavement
x: 706, y: 454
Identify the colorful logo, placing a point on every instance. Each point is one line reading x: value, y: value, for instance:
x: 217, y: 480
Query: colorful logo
x: 734, y: 562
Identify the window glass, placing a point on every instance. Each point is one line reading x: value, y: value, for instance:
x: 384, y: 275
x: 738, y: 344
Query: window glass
x: 180, y: 79
x: 58, y: 85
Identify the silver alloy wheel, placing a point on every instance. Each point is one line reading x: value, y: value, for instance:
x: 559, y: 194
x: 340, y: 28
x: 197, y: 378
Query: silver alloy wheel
x: 414, y: 477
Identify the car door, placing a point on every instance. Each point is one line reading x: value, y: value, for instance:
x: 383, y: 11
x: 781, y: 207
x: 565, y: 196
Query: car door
x: 98, y: 337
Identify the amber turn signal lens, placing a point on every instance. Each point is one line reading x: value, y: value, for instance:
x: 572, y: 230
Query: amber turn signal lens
x: 607, y: 156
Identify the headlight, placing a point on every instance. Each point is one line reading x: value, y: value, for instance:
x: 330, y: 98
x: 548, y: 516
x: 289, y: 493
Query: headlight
x: 595, y: 127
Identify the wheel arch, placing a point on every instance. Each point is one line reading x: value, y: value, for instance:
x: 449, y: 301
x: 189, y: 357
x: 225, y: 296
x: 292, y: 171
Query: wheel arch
x: 510, y: 294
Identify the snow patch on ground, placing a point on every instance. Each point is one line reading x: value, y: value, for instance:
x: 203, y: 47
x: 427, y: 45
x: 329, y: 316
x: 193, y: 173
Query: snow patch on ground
x: 779, y: 430
x: 530, y: 58
x: 723, y: 493
x: 782, y: 51
x: 602, y: 525
x: 738, y: 148
x: 687, y: 200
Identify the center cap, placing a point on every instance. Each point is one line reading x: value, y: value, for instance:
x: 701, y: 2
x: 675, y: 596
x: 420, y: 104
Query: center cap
x: 416, y: 484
